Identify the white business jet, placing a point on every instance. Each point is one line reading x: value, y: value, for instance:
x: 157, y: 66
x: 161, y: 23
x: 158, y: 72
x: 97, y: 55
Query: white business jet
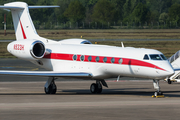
x: 78, y: 58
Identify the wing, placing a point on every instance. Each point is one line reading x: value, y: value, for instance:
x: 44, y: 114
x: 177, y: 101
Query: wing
x: 47, y: 74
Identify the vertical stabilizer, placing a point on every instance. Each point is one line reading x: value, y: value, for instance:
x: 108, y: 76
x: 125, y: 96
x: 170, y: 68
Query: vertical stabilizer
x: 23, y: 25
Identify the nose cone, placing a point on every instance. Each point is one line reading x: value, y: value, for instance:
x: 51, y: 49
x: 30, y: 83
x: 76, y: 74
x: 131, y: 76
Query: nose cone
x: 170, y: 72
x: 169, y: 69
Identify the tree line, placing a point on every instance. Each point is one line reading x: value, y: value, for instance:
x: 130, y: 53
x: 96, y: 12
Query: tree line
x: 101, y: 14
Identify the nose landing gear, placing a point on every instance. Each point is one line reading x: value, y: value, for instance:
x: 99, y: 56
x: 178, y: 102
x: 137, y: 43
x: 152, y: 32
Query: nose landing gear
x: 158, y: 93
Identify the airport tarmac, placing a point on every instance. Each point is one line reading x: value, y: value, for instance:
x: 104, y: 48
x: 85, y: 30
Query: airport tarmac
x: 23, y: 98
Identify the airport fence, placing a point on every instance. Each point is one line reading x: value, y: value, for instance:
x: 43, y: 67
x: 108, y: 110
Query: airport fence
x: 108, y: 25
x: 104, y: 25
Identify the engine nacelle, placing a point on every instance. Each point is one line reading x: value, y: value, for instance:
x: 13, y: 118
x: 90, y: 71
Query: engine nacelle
x: 27, y: 49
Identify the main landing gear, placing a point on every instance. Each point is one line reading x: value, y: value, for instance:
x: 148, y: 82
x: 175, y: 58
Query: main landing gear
x: 97, y: 87
x: 50, y: 86
x: 158, y: 93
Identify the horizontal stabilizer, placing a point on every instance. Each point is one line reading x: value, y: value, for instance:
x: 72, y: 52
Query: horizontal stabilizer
x: 30, y: 7
x: 10, y: 7
x: 46, y: 74
x: 35, y: 7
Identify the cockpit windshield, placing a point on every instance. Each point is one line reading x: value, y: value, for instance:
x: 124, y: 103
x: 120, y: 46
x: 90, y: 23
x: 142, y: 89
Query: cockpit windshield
x: 155, y: 57
x: 163, y: 57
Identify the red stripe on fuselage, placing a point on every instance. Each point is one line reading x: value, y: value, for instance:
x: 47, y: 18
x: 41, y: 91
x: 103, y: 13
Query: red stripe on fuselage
x: 126, y: 61
x: 24, y: 35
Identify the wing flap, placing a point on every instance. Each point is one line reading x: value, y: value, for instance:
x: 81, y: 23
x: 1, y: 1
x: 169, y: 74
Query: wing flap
x: 47, y: 74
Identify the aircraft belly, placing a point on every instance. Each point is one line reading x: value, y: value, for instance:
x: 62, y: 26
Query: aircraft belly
x: 146, y: 72
x: 101, y: 70
x: 72, y: 66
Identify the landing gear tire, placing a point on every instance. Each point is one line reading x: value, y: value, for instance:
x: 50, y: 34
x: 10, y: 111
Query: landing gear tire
x: 169, y: 82
x: 51, y: 89
x: 99, y: 88
x: 95, y: 88
x: 158, y: 93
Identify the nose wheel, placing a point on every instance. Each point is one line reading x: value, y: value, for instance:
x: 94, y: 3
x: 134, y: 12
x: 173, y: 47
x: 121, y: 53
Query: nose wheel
x: 157, y: 93
x: 96, y: 88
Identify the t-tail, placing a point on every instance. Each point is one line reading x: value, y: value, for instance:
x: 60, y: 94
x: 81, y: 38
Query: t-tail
x: 23, y: 25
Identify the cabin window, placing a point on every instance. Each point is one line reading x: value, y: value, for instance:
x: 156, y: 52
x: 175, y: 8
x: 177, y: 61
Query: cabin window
x: 82, y: 57
x: 112, y: 60
x: 74, y: 57
x: 105, y: 59
x: 163, y: 57
x: 89, y: 58
x: 146, y: 57
x: 120, y: 61
x: 155, y: 57
x: 97, y: 59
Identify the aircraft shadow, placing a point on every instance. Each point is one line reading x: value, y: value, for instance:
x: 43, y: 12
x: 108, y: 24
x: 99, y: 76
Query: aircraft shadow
x: 23, y: 94
x: 127, y: 91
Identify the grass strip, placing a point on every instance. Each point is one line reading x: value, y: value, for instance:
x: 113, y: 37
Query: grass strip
x: 102, y: 34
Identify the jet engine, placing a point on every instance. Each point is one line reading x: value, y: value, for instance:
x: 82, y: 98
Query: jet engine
x: 27, y: 49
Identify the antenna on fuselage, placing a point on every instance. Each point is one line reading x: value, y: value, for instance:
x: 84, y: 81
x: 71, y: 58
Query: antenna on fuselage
x: 122, y: 44
x: 118, y: 78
